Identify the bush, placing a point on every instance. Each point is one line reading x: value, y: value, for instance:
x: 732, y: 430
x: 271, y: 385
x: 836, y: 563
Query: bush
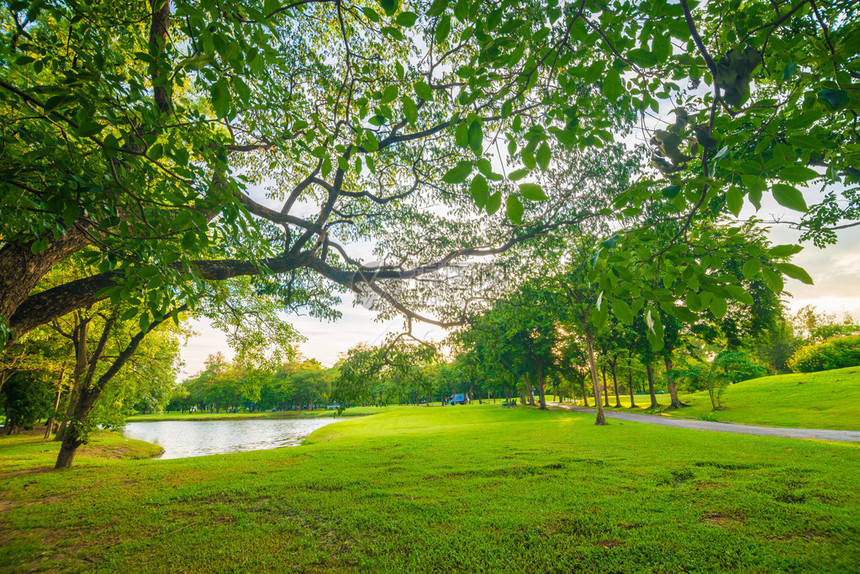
x: 835, y: 353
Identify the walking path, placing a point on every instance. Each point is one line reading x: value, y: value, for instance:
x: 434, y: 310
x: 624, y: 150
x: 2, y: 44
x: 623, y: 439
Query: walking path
x: 820, y: 434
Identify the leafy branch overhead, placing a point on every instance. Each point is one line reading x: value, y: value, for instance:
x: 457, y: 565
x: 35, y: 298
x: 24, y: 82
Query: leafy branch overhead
x: 182, y: 142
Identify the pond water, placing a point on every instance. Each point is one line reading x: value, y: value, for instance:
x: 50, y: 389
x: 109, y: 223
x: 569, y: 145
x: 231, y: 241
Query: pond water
x: 181, y: 439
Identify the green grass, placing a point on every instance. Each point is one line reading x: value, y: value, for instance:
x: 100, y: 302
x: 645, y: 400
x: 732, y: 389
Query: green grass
x: 825, y: 400
x: 206, y: 416
x: 468, y: 489
x: 28, y: 450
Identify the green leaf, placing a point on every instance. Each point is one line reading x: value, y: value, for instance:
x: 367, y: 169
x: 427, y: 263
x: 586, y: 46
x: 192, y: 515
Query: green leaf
x: 751, y: 267
x: 611, y: 242
x: 781, y: 251
x: 806, y: 142
x: 528, y: 159
x: 390, y: 6
x: 622, y: 310
x: 458, y: 173
x: 406, y: 19
x: 437, y: 7
x: 71, y: 213
x: 514, y: 209
x: 518, y: 174
x: 734, y: 200
x: 544, y: 155
x: 156, y: 152
x: 371, y: 144
x: 189, y: 240
x: 533, y: 192
x: 89, y: 128
x: 443, y: 28
x: 423, y: 91
x: 739, y: 294
x: 220, y: 93
x: 797, y: 173
x: 671, y: 191
x: 480, y: 190
x: 389, y: 94
x: 773, y: 280
x: 788, y: 71
x: 371, y: 14
x: 494, y: 202
x: 834, y: 99
x: 789, y: 196
x: 476, y: 137
x: 461, y: 135
x: 693, y: 301
x: 410, y: 109
x: 612, y: 86
x: 794, y: 272
x: 719, y: 306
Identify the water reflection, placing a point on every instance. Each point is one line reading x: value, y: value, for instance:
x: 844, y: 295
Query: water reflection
x: 182, y: 439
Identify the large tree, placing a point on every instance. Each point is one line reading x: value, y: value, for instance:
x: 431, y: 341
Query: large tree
x: 192, y: 140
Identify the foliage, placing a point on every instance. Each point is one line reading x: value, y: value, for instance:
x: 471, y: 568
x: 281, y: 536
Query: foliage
x: 26, y: 397
x: 150, y: 135
x: 400, y: 367
x: 239, y: 385
x: 834, y: 353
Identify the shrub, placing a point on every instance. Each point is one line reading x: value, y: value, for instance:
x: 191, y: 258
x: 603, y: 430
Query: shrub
x: 833, y: 353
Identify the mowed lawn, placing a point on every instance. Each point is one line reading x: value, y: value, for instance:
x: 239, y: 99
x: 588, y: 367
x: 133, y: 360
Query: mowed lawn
x: 454, y: 489
x: 825, y: 400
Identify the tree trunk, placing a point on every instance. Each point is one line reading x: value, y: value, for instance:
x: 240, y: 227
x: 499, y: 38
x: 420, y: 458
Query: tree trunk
x: 592, y: 365
x: 605, y: 392
x: 540, y: 383
x: 584, y: 393
x: 650, y: 370
x: 73, y: 437
x: 670, y: 382
x: 614, y: 364
x: 529, y: 390
x: 22, y: 269
x: 630, y: 381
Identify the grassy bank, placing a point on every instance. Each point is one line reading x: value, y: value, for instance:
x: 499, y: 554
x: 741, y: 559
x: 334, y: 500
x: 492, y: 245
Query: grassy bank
x: 826, y: 400
x: 28, y: 451
x: 223, y: 416
x: 477, y: 488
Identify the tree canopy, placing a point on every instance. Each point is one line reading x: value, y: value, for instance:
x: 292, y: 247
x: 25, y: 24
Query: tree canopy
x: 173, y: 142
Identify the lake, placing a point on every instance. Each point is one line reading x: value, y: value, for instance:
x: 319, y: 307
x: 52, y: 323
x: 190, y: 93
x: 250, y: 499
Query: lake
x: 181, y: 439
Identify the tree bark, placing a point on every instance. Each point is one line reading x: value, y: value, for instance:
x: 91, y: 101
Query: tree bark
x: 670, y: 382
x: 613, y: 365
x: 529, y: 390
x: 540, y: 383
x: 605, y: 390
x: 630, y: 381
x: 650, y: 370
x: 49, y: 426
x: 592, y: 364
x: 584, y: 393
x: 22, y: 269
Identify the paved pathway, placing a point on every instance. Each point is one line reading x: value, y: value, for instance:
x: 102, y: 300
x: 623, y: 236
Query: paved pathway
x: 820, y: 434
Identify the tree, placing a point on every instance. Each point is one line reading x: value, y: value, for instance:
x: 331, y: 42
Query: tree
x: 153, y: 123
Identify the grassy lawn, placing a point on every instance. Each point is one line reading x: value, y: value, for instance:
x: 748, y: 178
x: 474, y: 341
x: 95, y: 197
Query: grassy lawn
x: 476, y: 489
x: 825, y: 400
